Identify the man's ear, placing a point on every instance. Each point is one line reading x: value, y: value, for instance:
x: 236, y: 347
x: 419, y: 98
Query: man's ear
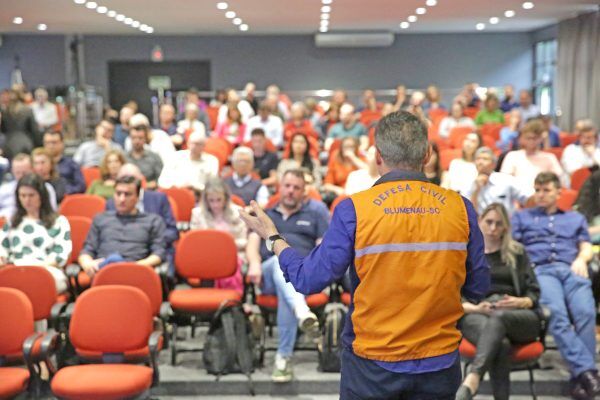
x: 428, y: 154
x: 378, y: 158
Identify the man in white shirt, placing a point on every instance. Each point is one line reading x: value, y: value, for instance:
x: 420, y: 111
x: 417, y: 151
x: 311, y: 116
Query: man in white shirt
x: 44, y: 112
x: 190, y: 168
x: 584, y: 153
x: 159, y: 141
x: 233, y: 98
x: 241, y: 183
x: 495, y: 187
x: 271, y: 124
x: 527, y: 108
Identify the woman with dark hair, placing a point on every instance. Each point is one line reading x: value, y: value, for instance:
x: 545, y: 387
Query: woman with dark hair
x: 341, y: 163
x: 299, y: 157
x: 45, y: 167
x: 19, y: 125
x: 111, y: 163
x: 233, y: 128
x: 433, y: 169
x: 507, y: 315
x: 36, y: 235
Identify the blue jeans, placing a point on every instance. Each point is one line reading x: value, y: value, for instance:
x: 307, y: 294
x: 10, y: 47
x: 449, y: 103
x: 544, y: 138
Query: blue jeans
x: 288, y: 300
x: 573, y: 320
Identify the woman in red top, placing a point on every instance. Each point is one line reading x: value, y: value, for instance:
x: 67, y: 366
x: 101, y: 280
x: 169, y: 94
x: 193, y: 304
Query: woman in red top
x: 342, y: 162
x: 233, y: 128
x: 298, y: 123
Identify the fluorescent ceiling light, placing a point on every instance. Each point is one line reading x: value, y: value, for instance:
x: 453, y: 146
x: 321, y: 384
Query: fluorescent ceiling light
x: 42, y: 27
x: 404, y: 25
x: 421, y: 10
x: 91, y: 5
x: 412, y: 18
x: 509, y: 13
x: 222, y: 5
x: 17, y: 20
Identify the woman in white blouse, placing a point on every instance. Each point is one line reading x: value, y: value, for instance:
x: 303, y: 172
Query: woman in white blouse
x: 462, y: 171
x: 456, y: 118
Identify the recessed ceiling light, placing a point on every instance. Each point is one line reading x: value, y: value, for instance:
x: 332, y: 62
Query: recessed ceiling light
x: 230, y: 14
x: 323, y: 29
x: 128, y: 21
x: 42, y: 27
x: 326, y: 9
x: 404, y: 25
x: 421, y: 10
x: 528, y: 5
x: 412, y: 18
x: 101, y: 10
x: 324, y: 23
x: 150, y: 30
x: 120, y: 17
x: 431, y: 3
x: 509, y: 13
x: 111, y: 14
x: 143, y: 27
x: 243, y: 27
x: 325, y: 16
x: 91, y: 5
x: 480, y: 26
x: 17, y: 20
x: 79, y: 1
x: 135, y: 24
x: 494, y: 20
x: 222, y: 5
x: 326, y: 1
x: 237, y: 21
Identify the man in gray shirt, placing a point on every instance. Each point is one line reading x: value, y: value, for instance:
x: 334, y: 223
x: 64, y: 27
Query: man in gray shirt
x: 90, y: 153
x: 125, y: 234
x: 145, y: 159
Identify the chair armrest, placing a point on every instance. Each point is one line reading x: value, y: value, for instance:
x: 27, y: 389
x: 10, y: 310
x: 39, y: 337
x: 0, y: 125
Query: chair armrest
x: 49, y: 344
x: 165, y: 311
x: 153, y: 342
x: 72, y: 270
x: 544, y: 314
x: 55, y: 313
x: 34, y: 374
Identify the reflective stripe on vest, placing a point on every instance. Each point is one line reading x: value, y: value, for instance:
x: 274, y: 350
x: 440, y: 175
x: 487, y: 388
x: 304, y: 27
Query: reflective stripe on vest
x: 401, y: 247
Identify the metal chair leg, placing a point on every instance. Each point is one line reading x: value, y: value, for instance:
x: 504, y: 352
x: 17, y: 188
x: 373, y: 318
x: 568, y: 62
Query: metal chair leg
x: 174, y: 345
x: 532, y: 383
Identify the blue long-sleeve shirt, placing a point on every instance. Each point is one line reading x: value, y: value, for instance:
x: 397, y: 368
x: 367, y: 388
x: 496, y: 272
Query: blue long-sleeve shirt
x: 329, y: 261
x: 71, y: 172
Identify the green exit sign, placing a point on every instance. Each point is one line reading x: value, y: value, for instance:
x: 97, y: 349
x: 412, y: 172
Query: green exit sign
x: 159, y: 82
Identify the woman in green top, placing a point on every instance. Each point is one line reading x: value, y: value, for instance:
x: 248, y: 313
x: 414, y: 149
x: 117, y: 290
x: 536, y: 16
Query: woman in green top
x: 491, y: 113
x: 111, y: 163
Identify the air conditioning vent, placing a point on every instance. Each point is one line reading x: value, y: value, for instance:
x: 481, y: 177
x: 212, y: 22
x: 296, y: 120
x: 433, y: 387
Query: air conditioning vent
x: 374, y: 39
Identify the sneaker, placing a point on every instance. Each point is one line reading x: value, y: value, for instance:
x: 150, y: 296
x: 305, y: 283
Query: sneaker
x: 309, y: 324
x: 282, y: 370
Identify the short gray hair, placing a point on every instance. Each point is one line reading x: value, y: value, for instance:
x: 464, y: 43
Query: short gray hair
x: 401, y: 139
x: 240, y: 151
x: 486, y: 150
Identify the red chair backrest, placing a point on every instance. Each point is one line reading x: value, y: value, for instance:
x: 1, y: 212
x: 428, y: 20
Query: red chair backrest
x: 492, y: 130
x: 219, y: 148
x: 269, y: 146
x: 238, y: 200
x: 16, y: 314
x: 80, y: 226
x: 579, y: 177
x: 185, y: 200
x: 471, y: 112
x: 567, y: 199
x: 174, y: 207
x: 132, y: 274
x: 447, y: 155
x: 111, y: 319
x: 82, y: 205
x: 436, y: 115
x: 457, y: 135
x: 206, y: 254
x: 37, y: 284
x: 337, y: 201
x: 567, y: 138
x: 557, y: 151
x: 213, y: 115
x: 90, y: 174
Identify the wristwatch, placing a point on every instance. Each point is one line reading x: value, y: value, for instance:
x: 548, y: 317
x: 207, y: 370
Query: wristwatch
x: 270, y: 242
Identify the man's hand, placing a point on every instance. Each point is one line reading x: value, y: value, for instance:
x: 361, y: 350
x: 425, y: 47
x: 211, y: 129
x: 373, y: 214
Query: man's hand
x: 91, y: 267
x: 485, y: 307
x: 482, y: 180
x: 579, y: 267
x: 257, y: 221
x: 255, y: 273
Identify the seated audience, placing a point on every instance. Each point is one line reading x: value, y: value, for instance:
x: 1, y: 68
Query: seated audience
x: 303, y: 230
x: 462, y: 171
x: 271, y: 125
x: 36, y: 234
x: 363, y: 179
x: 234, y: 100
x: 347, y: 127
x: 433, y: 168
x: 584, y: 153
x: 232, y: 129
x: 241, y: 183
x: 527, y: 109
x: 588, y: 204
x: 509, y: 134
x: 21, y: 166
x: 44, y: 167
x: 402, y: 101
x: 508, y: 102
x: 300, y: 157
x: 193, y: 97
x: 280, y: 100
x: 551, y: 133
x: 190, y: 123
x: 157, y: 141
x: 265, y: 162
x: 125, y: 234
x: 491, y: 114
x: 329, y: 120
x: 415, y: 107
x: 109, y: 169
x: 433, y: 99
x: 298, y: 123
x: 341, y: 163
x: 44, y: 111
x: 250, y: 95
x: 315, y: 112
x: 189, y: 168
x: 456, y: 118
x: 558, y: 245
x: 122, y: 129
x: 68, y: 169
x: 18, y: 125
x: 495, y: 187
x: 216, y: 211
x: 90, y: 153
x: 507, y: 315
x: 166, y: 123
x: 149, y: 163
x: 527, y: 163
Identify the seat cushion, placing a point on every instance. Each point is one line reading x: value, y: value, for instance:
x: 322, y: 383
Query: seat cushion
x: 526, y: 352
x: 201, y: 299
x: 101, y: 381
x: 317, y: 300
x: 467, y: 349
x: 346, y: 298
x: 312, y: 300
x: 13, y: 381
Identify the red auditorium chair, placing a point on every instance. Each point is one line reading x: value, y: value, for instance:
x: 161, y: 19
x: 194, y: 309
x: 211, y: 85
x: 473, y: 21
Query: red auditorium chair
x: 219, y: 262
x: 219, y: 148
x: 82, y: 205
x: 78, y: 280
x: 492, y: 130
x: 185, y: 200
x: 566, y: 199
x: 110, y: 321
x: 557, y: 151
x: 457, y: 136
x: 16, y: 341
x: 567, y: 138
x: 447, y: 155
x: 235, y: 199
x: 90, y: 174
x: 579, y: 177
x: 337, y: 201
x: 471, y: 112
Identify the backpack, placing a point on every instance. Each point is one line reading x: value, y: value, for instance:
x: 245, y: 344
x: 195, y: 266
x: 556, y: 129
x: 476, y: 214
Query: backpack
x: 330, y: 346
x: 230, y: 345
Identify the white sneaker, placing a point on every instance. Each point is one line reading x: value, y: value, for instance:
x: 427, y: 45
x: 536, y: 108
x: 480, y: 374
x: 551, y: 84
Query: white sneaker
x: 309, y: 323
x: 282, y: 370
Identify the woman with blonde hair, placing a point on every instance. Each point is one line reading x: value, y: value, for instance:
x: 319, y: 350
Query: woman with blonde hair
x: 508, y: 315
x: 111, y: 163
x: 216, y: 211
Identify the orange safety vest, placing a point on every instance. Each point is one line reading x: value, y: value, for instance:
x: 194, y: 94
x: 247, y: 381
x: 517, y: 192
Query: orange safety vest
x: 410, y: 255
